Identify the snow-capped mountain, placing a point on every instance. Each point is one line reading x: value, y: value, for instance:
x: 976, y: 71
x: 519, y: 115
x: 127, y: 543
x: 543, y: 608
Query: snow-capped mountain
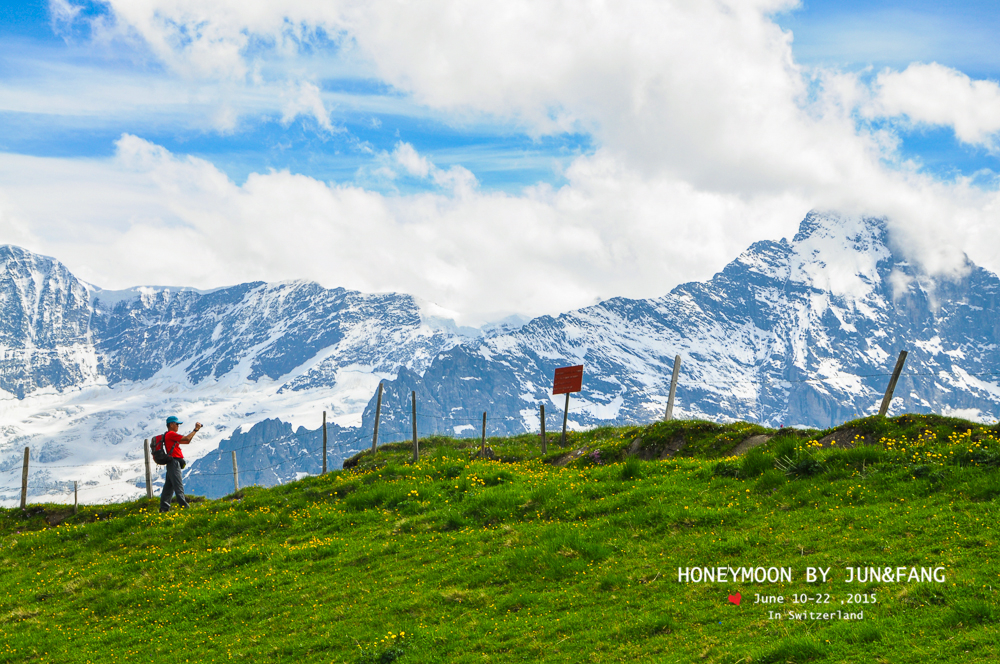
x: 792, y: 332
x: 87, y: 374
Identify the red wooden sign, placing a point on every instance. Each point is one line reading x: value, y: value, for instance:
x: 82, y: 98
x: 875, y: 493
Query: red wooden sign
x: 568, y: 379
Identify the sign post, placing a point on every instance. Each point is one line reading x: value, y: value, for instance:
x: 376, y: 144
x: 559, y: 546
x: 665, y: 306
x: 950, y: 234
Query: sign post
x: 541, y: 418
x: 567, y: 380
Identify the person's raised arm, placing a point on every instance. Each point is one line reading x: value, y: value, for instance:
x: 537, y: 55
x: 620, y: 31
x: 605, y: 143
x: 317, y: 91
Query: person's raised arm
x: 187, y: 439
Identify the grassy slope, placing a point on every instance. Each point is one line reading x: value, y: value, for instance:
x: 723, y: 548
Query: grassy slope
x: 460, y: 560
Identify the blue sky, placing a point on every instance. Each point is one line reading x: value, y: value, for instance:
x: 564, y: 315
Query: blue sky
x: 858, y: 36
x: 581, y: 152
x: 369, y: 116
x: 853, y: 36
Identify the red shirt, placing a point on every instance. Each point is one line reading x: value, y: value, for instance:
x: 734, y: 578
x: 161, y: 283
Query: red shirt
x: 171, y: 442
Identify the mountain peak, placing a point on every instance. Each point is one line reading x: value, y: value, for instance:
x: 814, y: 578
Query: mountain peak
x: 11, y: 252
x: 840, y: 254
x: 852, y: 228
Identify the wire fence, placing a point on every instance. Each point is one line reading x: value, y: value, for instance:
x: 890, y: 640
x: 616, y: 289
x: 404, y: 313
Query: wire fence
x: 386, y: 435
x: 428, y: 425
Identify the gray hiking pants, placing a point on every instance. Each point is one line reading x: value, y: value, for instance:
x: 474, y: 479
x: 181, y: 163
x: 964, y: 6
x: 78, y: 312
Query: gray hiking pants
x: 174, y: 485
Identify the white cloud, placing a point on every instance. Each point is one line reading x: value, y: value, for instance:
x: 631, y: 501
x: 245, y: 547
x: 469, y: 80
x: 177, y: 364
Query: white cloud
x: 406, y: 156
x: 707, y: 92
x: 485, y: 254
x: 152, y: 217
x: 937, y: 95
x: 709, y: 136
x: 304, y: 99
x: 13, y: 228
x: 63, y: 14
x: 458, y: 179
x: 664, y: 85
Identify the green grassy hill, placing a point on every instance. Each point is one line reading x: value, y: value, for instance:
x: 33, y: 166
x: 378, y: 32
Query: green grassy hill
x: 573, y: 557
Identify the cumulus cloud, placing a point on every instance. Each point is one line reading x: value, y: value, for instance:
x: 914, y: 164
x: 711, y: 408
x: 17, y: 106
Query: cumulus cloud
x: 705, y: 91
x: 709, y: 136
x: 458, y: 179
x: 609, y: 231
x: 937, y: 95
x: 406, y: 156
x: 666, y: 86
x: 484, y: 254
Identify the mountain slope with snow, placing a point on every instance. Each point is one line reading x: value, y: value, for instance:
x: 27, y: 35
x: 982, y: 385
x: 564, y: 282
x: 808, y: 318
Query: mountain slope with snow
x: 86, y: 374
x: 800, y: 331
x: 792, y: 332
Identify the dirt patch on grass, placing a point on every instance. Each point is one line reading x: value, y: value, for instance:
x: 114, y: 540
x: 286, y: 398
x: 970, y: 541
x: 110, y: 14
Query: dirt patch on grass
x: 564, y: 459
x: 485, y: 453
x: 352, y: 462
x: 750, y: 443
x: 658, y: 451
x: 845, y: 439
x: 56, y: 517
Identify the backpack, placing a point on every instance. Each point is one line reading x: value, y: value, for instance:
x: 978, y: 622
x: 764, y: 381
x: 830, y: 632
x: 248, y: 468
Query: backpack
x: 159, y: 451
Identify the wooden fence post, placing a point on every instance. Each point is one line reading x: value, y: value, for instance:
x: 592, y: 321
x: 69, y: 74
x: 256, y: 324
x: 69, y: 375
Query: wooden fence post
x: 236, y: 473
x: 149, y: 471
x: 482, y: 445
x: 541, y: 417
x: 24, y: 480
x: 673, y: 389
x: 413, y: 417
x: 887, y: 399
x: 565, y: 418
x: 324, y: 442
x: 378, y: 414
x: 76, y: 502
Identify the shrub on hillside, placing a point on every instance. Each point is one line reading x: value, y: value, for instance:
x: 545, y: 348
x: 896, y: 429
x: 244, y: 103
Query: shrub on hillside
x: 803, y: 465
x: 726, y: 469
x: 631, y: 469
x: 783, y: 446
x: 756, y: 463
x: 977, y: 457
x: 934, y: 475
x: 771, y: 481
x: 864, y: 455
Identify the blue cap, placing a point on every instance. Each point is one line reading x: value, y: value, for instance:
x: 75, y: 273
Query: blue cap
x: 173, y: 420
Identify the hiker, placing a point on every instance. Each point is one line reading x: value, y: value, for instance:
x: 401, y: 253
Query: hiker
x: 174, y: 484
